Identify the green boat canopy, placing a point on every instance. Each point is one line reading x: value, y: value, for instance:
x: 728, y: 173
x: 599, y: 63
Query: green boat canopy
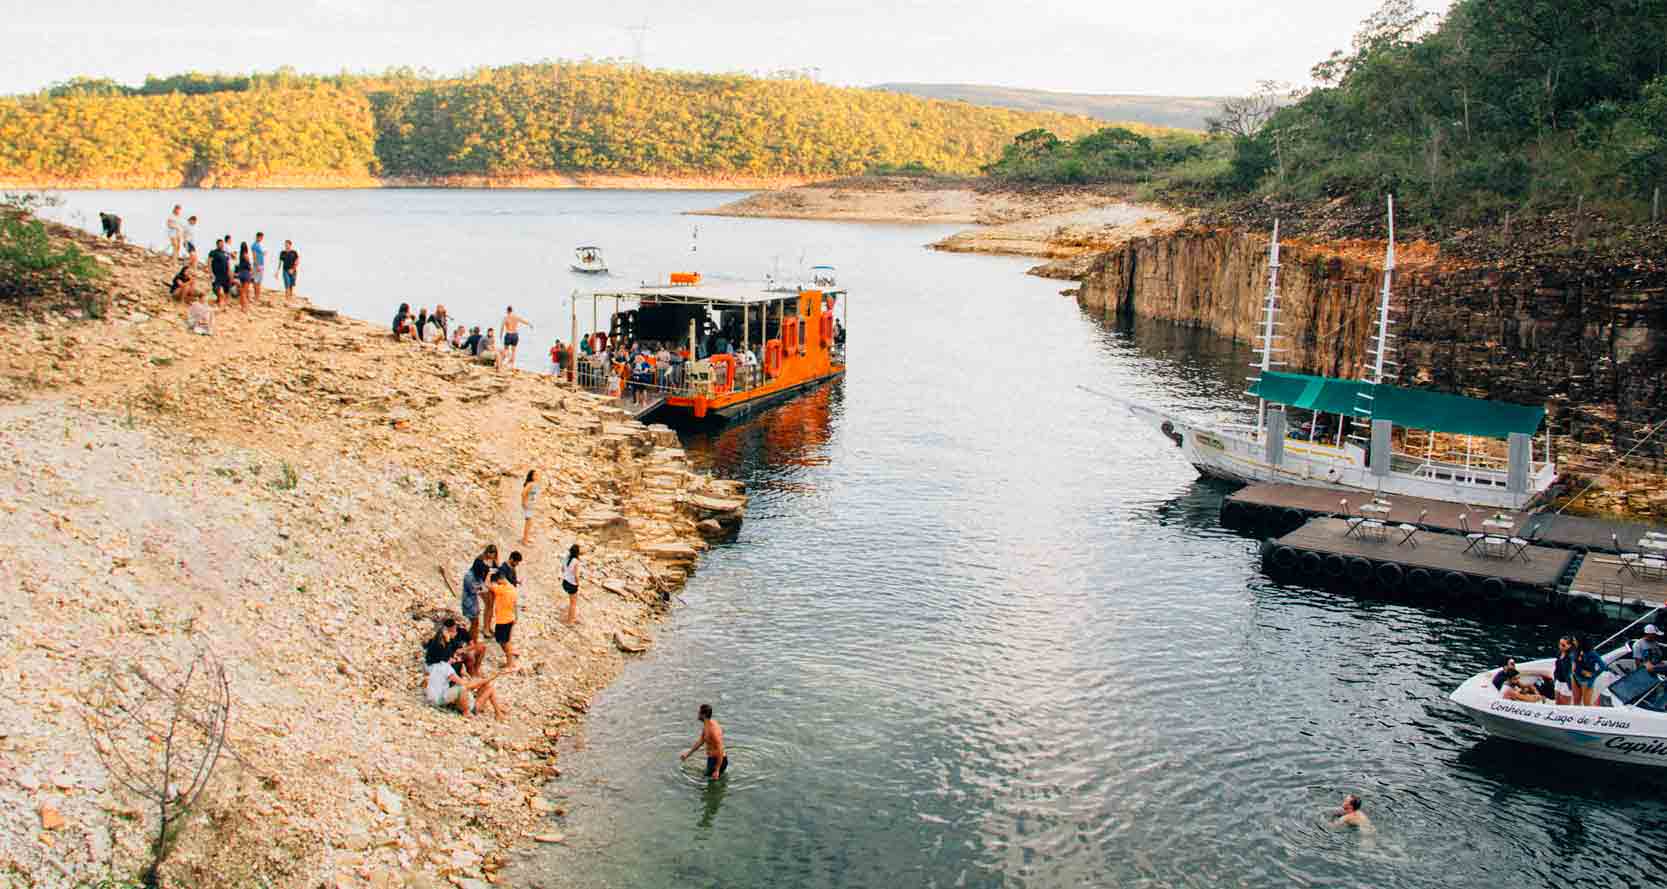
x: 1412, y: 408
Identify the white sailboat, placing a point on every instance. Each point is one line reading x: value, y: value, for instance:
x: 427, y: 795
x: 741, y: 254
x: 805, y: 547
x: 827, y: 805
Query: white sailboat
x: 1267, y: 452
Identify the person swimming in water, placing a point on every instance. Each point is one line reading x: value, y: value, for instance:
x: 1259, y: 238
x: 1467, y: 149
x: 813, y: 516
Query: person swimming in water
x: 712, y: 738
x: 1350, y: 815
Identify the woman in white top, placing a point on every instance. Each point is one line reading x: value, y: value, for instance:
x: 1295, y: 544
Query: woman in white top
x: 529, y: 496
x: 570, y: 584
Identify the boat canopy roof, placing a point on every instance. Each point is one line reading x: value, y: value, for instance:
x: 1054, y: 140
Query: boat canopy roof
x: 1414, y: 408
x: 576, y: 249
x: 729, y: 294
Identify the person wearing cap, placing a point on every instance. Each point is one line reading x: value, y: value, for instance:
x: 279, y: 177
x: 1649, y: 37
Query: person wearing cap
x: 1649, y: 653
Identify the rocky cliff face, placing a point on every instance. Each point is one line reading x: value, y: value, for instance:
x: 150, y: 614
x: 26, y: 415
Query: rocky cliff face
x: 1590, y: 344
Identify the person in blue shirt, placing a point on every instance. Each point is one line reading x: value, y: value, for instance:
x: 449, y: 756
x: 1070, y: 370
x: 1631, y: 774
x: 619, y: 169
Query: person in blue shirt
x: 258, y: 248
x: 1649, y: 653
x: 1588, y: 665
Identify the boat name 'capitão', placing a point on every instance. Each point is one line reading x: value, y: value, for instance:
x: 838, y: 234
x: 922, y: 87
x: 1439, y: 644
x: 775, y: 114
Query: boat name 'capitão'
x: 1628, y: 745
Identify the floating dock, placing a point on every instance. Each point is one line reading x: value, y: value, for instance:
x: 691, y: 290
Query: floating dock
x: 1571, y: 569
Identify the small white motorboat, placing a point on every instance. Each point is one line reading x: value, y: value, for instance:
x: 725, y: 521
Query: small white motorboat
x: 1629, y: 725
x: 589, y: 261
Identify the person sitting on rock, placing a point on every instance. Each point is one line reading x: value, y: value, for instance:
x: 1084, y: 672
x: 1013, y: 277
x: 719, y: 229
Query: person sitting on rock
x: 445, y: 688
x: 199, y: 319
x: 184, y: 286
x: 452, y: 643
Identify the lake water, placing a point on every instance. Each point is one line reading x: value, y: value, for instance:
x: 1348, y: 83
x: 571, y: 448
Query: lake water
x: 976, y: 631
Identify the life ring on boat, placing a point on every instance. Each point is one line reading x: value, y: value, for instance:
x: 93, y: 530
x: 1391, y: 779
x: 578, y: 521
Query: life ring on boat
x: 1336, y: 566
x: 1390, y: 576
x: 727, y: 382
x: 1284, y: 557
x: 1310, y: 563
x: 1493, y: 590
x: 772, y: 358
x: 1360, y: 570
x: 1418, y: 581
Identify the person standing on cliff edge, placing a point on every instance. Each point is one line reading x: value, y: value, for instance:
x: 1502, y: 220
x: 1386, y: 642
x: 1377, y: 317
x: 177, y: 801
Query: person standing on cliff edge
x: 512, y: 336
x: 289, y: 264
x: 176, y: 232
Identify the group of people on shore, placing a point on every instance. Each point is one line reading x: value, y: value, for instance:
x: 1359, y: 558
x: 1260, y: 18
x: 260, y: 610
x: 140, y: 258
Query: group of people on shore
x: 1573, y: 677
x: 242, y: 273
x: 429, y: 328
x: 453, y: 658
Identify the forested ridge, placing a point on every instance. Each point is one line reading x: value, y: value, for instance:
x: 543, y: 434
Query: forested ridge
x: 507, y: 122
x: 1501, y: 107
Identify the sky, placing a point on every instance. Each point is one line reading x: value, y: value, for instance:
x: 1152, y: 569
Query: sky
x: 1173, y: 47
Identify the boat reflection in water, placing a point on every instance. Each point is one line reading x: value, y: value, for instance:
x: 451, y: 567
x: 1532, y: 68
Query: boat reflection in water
x: 776, y: 446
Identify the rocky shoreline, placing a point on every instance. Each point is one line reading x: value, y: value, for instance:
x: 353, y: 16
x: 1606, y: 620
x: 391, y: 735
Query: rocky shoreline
x: 301, y: 493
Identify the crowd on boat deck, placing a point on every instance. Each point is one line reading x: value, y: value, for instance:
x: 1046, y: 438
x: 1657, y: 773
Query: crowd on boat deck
x: 1573, y: 678
x: 638, y: 368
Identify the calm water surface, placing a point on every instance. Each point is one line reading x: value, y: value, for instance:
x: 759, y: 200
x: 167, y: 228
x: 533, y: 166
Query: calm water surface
x: 976, y: 631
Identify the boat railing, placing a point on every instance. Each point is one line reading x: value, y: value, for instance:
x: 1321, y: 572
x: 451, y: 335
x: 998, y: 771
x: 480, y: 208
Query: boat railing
x: 671, y: 381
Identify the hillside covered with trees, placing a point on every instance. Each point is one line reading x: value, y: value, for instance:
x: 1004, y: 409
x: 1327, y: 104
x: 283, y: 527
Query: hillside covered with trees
x: 1503, y: 106
x: 502, y: 123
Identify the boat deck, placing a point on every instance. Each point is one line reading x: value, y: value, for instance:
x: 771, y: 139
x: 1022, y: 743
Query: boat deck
x: 1310, y: 500
x: 1578, y: 532
x: 1435, y: 552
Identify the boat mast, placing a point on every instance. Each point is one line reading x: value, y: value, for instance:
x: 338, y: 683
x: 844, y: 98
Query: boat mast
x: 1381, y: 352
x: 1267, y: 328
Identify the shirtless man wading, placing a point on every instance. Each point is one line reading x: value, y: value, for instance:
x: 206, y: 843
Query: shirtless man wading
x: 1349, y: 815
x: 712, y: 738
x: 512, y: 336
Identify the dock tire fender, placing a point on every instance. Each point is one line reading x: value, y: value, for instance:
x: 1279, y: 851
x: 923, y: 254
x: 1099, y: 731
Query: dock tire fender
x: 1232, y: 515
x: 1455, y: 584
x: 1360, y: 569
x: 1493, y: 590
x: 1584, y: 606
x: 1284, y: 557
x: 1419, y: 581
x: 1294, y: 519
x: 1336, y: 565
x: 1310, y: 563
x: 1390, y: 575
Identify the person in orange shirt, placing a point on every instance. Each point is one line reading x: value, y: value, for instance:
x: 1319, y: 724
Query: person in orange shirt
x: 504, y: 583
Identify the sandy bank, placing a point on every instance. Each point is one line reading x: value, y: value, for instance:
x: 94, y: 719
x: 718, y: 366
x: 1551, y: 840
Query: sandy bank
x: 147, y: 500
x: 1058, y: 223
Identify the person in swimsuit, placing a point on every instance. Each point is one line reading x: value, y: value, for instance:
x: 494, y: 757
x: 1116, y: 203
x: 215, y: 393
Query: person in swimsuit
x: 529, y: 499
x: 570, y: 584
x: 1349, y: 815
x: 1588, y: 666
x: 512, y: 336
x: 712, y: 738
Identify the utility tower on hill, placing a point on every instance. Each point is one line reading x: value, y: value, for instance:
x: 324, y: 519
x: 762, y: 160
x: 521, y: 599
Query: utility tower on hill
x: 639, y: 38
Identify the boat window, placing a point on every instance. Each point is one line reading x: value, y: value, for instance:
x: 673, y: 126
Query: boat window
x: 1634, y: 687
x: 1656, y: 699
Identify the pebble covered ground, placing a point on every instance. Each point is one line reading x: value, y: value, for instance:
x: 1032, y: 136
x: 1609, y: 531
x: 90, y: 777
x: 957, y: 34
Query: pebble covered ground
x: 302, y: 494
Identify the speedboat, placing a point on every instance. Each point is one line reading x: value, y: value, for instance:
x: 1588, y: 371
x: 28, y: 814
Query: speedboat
x: 588, y: 260
x: 1628, y: 725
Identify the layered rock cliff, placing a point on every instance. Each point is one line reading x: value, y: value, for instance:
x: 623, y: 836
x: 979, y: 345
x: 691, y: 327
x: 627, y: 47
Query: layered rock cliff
x: 1589, y: 343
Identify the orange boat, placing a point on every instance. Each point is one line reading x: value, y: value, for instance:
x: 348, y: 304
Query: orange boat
x: 710, y: 351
